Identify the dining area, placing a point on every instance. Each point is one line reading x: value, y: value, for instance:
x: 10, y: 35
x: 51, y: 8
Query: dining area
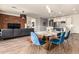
x: 49, y: 31
x: 50, y: 39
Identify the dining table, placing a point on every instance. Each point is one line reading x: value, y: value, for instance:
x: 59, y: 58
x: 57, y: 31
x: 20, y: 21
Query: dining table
x: 49, y: 36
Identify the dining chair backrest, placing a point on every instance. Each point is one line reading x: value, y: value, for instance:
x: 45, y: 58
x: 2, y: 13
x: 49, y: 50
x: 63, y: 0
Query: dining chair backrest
x: 62, y: 37
x: 34, y: 38
x: 67, y: 35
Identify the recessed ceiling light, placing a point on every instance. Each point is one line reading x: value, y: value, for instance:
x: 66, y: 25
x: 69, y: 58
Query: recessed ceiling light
x: 60, y: 12
x: 13, y: 7
x: 74, y: 9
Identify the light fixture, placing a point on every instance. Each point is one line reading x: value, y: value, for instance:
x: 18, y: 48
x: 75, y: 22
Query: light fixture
x: 48, y: 9
x: 74, y: 10
x: 23, y: 16
x: 49, y: 28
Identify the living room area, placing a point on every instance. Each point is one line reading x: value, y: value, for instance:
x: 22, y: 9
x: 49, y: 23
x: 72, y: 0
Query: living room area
x: 21, y: 25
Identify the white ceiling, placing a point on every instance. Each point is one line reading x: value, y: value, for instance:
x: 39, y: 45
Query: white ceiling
x: 39, y: 10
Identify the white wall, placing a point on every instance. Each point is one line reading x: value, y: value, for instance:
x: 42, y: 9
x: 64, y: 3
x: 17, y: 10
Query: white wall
x: 30, y: 20
x: 72, y: 19
x: 75, y: 22
x: 39, y: 23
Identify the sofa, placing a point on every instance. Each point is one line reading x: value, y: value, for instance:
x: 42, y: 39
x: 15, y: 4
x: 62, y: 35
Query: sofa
x: 12, y: 33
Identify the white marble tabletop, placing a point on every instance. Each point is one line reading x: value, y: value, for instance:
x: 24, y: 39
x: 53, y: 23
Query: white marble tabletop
x: 46, y: 33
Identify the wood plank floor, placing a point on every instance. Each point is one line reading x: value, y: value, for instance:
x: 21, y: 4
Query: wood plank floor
x: 21, y: 45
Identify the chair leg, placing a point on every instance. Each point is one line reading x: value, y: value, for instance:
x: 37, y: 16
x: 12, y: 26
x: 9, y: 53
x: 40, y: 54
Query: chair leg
x: 50, y: 46
x: 54, y: 48
x: 63, y: 48
x: 39, y: 47
x: 68, y: 43
x: 59, y: 47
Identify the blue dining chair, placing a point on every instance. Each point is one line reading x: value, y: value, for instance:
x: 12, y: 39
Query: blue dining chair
x: 58, y: 35
x: 67, y: 34
x: 66, y: 37
x: 35, y: 39
x: 58, y: 41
